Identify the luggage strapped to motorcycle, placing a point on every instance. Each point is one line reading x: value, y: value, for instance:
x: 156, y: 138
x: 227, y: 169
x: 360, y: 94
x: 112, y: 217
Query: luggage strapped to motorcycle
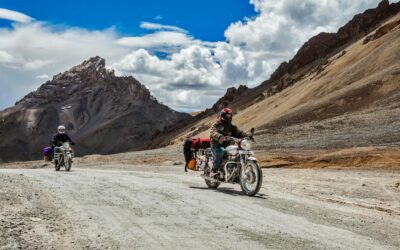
x: 193, y: 147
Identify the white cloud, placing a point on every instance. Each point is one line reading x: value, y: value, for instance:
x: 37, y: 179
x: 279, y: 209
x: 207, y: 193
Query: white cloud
x: 5, y: 57
x: 283, y: 25
x: 191, y: 74
x: 37, y: 64
x: 14, y: 16
x: 158, y: 39
x: 157, y: 26
x: 43, y: 77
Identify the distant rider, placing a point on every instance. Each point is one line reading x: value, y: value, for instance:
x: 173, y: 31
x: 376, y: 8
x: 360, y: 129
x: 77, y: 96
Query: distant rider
x: 60, y: 138
x: 220, y: 130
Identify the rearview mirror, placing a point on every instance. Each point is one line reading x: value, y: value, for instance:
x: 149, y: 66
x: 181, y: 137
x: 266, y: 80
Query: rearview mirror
x: 252, y: 131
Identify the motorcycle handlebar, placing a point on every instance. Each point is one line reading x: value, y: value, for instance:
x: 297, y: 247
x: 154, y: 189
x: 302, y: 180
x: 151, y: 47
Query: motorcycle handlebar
x: 230, y: 138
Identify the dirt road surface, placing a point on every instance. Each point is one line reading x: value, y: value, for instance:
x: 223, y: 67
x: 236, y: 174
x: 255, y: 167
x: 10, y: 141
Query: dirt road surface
x: 144, y: 207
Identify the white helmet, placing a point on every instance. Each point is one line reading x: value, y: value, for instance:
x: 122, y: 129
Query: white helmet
x: 61, y: 129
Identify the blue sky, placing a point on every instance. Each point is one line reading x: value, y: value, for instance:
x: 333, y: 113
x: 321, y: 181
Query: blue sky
x: 187, y: 53
x: 205, y: 19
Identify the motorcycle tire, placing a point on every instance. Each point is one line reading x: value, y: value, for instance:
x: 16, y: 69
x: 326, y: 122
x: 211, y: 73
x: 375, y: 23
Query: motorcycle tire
x: 68, y: 165
x: 56, y: 165
x: 210, y: 184
x: 259, y: 177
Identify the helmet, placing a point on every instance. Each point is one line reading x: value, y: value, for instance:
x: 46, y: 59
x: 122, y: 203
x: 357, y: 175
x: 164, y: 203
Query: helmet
x: 61, y: 129
x: 226, y: 115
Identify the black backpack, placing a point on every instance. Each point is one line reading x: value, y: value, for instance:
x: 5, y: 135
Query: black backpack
x: 187, y: 151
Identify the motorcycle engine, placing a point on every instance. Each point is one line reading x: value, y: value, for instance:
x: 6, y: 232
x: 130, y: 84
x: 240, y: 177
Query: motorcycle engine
x: 230, y: 170
x: 231, y: 157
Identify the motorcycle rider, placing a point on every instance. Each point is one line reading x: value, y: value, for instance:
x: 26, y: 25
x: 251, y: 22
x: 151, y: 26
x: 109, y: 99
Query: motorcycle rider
x: 60, y: 138
x: 222, y: 128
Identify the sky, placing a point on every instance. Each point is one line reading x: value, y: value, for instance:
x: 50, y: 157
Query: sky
x: 187, y: 53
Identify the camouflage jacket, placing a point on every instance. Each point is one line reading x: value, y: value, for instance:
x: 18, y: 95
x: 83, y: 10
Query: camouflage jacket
x: 220, y: 129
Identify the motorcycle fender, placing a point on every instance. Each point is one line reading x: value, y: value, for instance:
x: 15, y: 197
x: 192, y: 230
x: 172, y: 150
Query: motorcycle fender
x: 251, y: 158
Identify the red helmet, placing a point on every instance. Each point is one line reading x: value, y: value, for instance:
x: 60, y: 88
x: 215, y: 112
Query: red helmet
x: 225, y: 115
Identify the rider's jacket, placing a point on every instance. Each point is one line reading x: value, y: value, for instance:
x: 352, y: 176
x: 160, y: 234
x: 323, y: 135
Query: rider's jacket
x: 220, y: 129
x: 59, y: 139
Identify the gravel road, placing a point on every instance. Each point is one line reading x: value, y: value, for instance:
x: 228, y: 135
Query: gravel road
x: 147, y: 207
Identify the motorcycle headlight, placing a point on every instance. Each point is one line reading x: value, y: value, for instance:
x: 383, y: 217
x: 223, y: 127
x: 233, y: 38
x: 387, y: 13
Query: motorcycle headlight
x: 246, y: 145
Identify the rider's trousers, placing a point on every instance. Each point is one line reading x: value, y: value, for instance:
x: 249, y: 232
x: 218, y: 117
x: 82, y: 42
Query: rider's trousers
x: 218, y: 154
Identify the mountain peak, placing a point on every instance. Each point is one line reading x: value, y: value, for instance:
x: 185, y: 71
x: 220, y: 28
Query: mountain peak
x: 97, y: 63
x: 384, y: 4
x: 93, y: 67
x: 90, y: 76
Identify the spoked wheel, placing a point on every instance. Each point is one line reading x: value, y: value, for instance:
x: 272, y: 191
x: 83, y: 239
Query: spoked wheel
x: 59, y: 162
x: 251, y: 178
x: 56, y: 165
x: 210, y: 184
x: 68, y: 164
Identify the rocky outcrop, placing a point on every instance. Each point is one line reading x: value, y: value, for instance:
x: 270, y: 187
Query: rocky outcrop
x: 103, y: 114
x: 324, y: 43
x: 231, y: 96
x: 382, y: 31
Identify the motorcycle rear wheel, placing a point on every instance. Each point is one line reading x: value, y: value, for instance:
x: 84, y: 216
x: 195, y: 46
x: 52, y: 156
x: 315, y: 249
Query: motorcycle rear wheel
x: 251, y: 180
x: 210, y: 184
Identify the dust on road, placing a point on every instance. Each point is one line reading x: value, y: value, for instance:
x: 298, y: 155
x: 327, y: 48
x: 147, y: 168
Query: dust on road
x: 160, y: 208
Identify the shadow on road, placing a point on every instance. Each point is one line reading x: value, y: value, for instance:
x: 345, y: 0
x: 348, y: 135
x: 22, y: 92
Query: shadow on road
x: 230, y: 191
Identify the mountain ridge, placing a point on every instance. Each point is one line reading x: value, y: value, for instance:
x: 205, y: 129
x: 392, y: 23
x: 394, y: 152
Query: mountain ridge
x: 325, y: 43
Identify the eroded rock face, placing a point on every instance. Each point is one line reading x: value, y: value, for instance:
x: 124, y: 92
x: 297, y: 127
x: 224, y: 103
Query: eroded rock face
x: 382, y: 31
x: 322, y: 44
x: 103, y: 114
x: 232, y: 95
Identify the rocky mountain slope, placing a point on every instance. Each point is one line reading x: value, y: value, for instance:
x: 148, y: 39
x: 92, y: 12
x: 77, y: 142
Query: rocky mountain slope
x: 340, y: 90
x: 321, y: 45
x: 103, y: 114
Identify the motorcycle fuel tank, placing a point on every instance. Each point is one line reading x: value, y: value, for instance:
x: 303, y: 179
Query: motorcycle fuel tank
x: 232, y: 150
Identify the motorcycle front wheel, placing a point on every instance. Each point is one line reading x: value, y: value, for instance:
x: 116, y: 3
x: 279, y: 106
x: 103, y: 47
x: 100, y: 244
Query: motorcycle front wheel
x: 56, y: 165
x: 59, y: 162
x: 251, y: 178
x: 68, y: 165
